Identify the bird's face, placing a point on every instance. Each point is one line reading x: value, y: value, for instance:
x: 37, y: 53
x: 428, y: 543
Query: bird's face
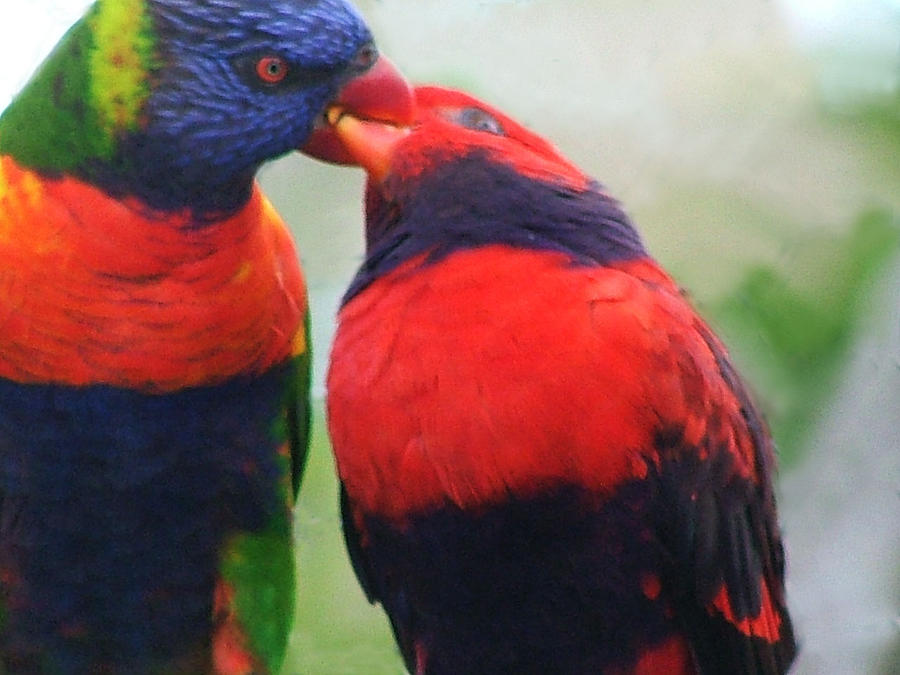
x: 178, y: 102
x: 236, y: 82
x: 463, y: 176
x: 187, y: 98
x: 448, y: 124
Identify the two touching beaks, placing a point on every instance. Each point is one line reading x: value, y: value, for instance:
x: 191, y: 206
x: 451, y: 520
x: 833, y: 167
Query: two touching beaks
x: 368, y: 115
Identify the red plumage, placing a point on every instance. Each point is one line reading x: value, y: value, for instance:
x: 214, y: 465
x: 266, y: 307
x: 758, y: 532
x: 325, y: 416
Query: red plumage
x: 548, y: 463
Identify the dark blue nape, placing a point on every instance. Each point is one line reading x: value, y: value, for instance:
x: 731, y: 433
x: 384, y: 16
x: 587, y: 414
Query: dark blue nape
x: 114, y: 506
x: 475, y: 201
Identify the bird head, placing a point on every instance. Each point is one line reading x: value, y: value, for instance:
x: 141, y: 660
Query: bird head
x: 464, y: 175
x: 448, y: 125
x: 179, y: 102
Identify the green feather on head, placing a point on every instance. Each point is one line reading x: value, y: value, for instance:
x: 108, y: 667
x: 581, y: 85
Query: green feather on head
x: 88, y: 91
x: 120, y: 62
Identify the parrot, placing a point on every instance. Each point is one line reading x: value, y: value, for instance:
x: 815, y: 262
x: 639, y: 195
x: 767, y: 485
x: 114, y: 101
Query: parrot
x: 154, y: 355
x: 547, y: 461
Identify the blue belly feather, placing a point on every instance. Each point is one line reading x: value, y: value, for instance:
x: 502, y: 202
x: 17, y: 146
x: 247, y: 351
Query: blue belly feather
x: 114, y: 507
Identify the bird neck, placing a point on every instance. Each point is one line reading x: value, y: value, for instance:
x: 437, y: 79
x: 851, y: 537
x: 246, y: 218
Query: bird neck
x: 449, y: 209
x: 191, y: 304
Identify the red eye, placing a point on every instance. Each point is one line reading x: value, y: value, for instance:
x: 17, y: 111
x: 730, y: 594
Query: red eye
x: 272, y: 69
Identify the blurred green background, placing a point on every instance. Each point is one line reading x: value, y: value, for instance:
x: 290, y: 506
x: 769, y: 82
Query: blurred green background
x: 756, y: 145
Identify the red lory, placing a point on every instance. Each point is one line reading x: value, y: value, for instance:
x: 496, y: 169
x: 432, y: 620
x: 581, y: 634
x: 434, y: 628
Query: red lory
x: 548, y: 462
x: 154, y: 360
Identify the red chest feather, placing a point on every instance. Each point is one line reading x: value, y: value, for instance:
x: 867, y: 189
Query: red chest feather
x: 94, y: 290
x: 500, y: 371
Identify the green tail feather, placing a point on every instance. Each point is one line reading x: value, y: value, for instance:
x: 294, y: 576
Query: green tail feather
x: 260, y: 569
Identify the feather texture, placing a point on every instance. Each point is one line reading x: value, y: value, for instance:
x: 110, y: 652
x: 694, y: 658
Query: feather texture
x: 548, y: 462
x: 154, y: 355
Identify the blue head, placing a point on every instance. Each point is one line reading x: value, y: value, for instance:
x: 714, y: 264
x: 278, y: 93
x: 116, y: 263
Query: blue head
x: 239, y: 82
x: 178, y: 102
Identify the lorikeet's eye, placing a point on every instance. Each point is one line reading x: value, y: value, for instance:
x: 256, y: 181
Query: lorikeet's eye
x: 271, y: 69
x: 477, y: 119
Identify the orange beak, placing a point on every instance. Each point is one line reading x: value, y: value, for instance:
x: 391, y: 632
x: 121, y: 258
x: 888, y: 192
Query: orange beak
x: 369, y: 143
x: 381, y: 96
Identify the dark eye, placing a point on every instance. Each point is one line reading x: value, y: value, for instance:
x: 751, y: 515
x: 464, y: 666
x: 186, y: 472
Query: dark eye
x: 365, y: 58
x: 271, y: 69
x: 477, y: 119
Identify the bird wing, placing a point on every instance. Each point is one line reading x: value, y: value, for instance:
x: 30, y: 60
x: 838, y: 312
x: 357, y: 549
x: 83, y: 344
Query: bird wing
x: 720, y: 526
x: 401, y: 616
x: 299, y: 411
x: 714, y: 510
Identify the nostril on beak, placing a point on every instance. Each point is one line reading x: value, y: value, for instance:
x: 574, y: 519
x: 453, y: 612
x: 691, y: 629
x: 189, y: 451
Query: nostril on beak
x: 366, y: 57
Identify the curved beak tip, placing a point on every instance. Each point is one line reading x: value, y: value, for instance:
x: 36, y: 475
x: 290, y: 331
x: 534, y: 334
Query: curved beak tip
x: 370, y: 144
x: 380, y: 94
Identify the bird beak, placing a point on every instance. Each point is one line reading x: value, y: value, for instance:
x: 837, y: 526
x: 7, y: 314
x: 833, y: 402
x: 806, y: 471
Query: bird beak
x: 380, y: 95
x: 369, y: 143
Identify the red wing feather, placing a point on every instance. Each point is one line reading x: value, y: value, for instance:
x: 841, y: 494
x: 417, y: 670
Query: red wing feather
x: 727, y: 579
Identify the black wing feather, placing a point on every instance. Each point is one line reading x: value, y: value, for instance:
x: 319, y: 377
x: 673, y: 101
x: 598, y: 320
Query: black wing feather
x: 721, y: 530
x: 393, y: 603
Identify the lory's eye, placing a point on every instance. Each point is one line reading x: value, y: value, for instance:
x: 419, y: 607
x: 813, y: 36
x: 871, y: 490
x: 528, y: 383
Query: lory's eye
x: 477, y: 119
x: 271, y: 69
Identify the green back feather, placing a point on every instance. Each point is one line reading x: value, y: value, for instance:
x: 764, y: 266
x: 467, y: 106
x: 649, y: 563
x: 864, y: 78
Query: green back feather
x: 298, y: 404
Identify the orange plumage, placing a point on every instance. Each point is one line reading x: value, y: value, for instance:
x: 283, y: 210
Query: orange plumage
x: 214, y: 301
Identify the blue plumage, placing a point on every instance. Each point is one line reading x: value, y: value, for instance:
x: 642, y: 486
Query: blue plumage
x: 209, y: 122
x: 145, y: 492
x: 588, y: 226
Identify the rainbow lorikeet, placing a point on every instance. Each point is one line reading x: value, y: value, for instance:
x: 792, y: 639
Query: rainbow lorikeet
x: 153, y: 350
x: 548, y: 463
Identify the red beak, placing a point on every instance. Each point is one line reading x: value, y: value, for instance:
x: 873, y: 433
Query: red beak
x: 380, y: 94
